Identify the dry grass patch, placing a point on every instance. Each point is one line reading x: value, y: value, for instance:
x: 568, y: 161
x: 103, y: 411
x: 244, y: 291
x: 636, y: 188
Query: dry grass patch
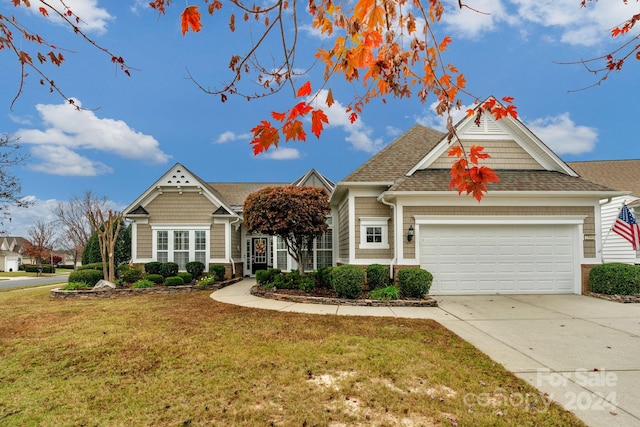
x: 184, y: 359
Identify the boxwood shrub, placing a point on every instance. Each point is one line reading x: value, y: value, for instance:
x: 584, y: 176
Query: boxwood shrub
x: 186, y: 276
x: 90, y: 277
x: 45, y: 269
x: 414, y: 282
x: 218, y: 271
x: 324, y: 277
x: 263, y: 277
x: 173, y: 281
x: 377, y: 276
x: 169, y: 269
x: 615, y: 279
x: 130, y: 274
x: 152, y: 267
x: 195, y: 268
x: 347, y: 281
x: 155, y: 278
x: 307, y: 283
x: 92, y: 266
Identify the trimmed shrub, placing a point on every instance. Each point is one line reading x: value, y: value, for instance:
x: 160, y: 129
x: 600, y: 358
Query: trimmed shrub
x: 291, y: 280
x: 186, y: 277
x: 195, y: 268
x: 263, y: 277
x: 169, y: 269
x: 92, y: 266
x: 155, y: 278
x: 385, y: 294
x: 143, y: 283
x: 615, y: 279
x: 90, y: 277
x: 75, y: 286
x: 44, y: 269
x: 173, y: 281
x: 218, y: 271
x: 414, y: 282
x: 152, y: 267
x: 324, y: 277
x: 307, y: 283
x: 377, y: 276
x: 130, y: 274
x: 347, y: 281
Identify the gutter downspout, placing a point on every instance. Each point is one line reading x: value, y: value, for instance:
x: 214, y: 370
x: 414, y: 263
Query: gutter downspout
x: 395, y: 243
x: 233, y: 263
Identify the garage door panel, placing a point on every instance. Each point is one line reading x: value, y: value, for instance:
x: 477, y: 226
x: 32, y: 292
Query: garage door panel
x: 472, y: 259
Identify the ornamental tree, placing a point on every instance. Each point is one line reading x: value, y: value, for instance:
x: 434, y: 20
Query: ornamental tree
x: 296, y: 214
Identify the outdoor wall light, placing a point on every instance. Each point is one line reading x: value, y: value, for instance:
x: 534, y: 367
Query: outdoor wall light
x: 410, y: 233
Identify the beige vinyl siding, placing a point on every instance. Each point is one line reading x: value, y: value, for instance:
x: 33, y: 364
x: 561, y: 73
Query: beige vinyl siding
x: 369, y: 207
x: 144, y: 242
x: 343, y: 227
x: 505, y: 154
x: 588, y: 228
x: 217, y: 240
x: 236, y: 246
x: 176, y: 208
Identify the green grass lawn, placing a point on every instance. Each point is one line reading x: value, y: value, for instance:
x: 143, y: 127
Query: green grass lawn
x: 185, y: 359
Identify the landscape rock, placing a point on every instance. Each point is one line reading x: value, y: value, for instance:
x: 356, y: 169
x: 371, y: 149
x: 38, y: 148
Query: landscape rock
x: 104, y: 285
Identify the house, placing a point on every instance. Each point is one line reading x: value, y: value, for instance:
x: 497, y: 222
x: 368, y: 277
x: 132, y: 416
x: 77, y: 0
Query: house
x: 11, y: 252
x: 182, y: 218
x: 621, y: 175
x: 538, y: 230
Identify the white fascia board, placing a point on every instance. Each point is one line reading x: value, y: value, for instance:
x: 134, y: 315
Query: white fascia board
x: 499, y: 220
x: 436, y: 197
x: 432, y: 155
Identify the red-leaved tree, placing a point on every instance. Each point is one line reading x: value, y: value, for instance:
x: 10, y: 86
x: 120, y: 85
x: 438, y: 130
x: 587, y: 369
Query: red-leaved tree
x: 296, y: 214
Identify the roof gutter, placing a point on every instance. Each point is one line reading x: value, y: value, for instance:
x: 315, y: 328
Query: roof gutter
x: 395, y: 223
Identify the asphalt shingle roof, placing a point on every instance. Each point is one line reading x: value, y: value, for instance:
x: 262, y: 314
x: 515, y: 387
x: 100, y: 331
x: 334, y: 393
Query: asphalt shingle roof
x: 623, y: 175
x: 510, y: 180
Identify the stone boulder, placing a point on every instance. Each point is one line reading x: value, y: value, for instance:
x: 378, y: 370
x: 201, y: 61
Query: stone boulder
x: 104, y: 285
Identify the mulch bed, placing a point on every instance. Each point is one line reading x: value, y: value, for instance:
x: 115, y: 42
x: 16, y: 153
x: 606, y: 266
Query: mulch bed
x: 328, y: 296
x: 625, y: 299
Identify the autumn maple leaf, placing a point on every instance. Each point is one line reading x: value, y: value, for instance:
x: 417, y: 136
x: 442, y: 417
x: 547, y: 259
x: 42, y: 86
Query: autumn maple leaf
x: 318, y: 117
x: 190, y: 17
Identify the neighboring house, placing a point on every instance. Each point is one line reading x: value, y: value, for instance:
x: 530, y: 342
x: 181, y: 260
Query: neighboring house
x: 622, y: 175
x: 536, y: 231
x: 182, y: 218
x: 11, y: 250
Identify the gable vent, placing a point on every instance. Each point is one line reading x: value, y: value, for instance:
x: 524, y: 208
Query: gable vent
x: 487, y: 126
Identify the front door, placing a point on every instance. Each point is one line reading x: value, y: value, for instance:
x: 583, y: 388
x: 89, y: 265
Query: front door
x: 259, y: 256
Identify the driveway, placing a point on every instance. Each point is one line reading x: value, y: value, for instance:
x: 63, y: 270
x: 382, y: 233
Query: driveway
x: 582, y: 351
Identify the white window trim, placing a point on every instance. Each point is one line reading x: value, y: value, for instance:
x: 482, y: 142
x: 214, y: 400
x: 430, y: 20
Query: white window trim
x: 192, y: 243
x: 383, y: 223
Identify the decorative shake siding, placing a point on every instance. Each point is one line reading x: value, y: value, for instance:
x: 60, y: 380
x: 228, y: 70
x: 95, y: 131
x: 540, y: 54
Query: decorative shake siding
x: 144, y: 242
x: 505, y: 154
x: 217, y: 241
x: 588, y: 227
x: 176, y: 208
x: 343, y: 227
x: 369, y: 207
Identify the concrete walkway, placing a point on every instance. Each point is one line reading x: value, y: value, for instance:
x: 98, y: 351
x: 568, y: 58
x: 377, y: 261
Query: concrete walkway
x: 583, y: 352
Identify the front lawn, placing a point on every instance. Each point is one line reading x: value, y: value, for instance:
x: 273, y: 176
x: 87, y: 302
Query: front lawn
x: 184, y: 359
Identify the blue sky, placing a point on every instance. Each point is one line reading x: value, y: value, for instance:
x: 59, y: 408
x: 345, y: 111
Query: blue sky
x: 134, y: 129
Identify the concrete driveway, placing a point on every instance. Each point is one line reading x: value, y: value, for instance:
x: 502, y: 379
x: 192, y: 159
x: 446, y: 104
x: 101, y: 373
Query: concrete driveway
x: 583, y: 352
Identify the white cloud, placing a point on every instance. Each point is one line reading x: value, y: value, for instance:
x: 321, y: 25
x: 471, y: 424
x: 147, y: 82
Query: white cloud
x: 358, y: 134
x: 73, y: 130
x: 92, y: 18
x: 563, y: 136
x: 468, y: 23
x: 59, y: 160
x: 281, y: 153
x: 432, y: 120
x: 230, y: 136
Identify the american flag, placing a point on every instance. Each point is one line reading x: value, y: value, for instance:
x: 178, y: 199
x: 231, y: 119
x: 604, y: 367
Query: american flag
x: 627, y: 227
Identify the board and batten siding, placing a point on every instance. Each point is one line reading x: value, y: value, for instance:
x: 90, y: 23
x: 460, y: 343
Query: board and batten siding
x: 369, y: 207
x: 505, y: 154
x: 589, y: 246
x: 144, y: 241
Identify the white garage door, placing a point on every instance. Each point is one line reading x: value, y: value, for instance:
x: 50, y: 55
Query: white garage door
x: 506, y: 259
